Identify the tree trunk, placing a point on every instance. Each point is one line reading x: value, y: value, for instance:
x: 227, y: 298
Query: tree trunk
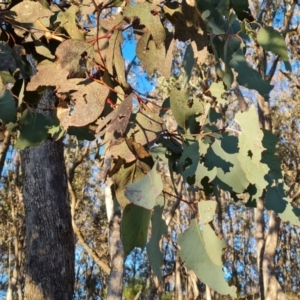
x: 269, y: 286
x: 49, y: 237
x: 260, y: 236
x: 116, y: 251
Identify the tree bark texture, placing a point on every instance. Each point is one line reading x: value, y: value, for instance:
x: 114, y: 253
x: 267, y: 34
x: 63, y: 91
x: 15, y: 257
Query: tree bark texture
x: 49, y: 270
x: 116, y: 251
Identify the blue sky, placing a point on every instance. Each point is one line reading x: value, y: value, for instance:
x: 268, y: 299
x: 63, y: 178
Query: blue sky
x: 140, y: 83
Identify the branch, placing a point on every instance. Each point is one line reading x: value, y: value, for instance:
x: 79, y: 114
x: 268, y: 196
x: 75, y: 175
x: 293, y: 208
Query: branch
x: 273, y: 68
x: 77, y: 231
x: 178, y: 188
x: 291, y: 78
x: 77, y: 162
x: 242, y: 102
x: 80, y: 237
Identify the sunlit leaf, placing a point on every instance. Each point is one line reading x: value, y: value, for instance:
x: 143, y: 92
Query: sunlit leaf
x: 144, y: 192
x: 217, y: 90
x: 233, y: 178
x: 67, y: 19
x: 147, y: 18
x: 30, y: 11
x: 271, y: 40
x: 159, y: 228
x: 202, y: 252
x: 128, y: 174
x: 251, y: 148
x: 182, y: 108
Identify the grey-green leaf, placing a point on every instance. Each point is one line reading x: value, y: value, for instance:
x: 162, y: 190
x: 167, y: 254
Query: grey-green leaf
x: 144, y: 192
x: 202, y: 251
x: 8, y: 108
x: 33, y: 129
x: 135, y: 223
x: 159, y: 228
x: 271, y: 40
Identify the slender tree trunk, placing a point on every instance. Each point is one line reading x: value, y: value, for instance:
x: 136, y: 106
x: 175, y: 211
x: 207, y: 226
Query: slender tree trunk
x: 208, y: 292
x: 178, y: 281
x: 116, y: 251
x: 259, y: 236
x: 193, y: 283
x: 49, y: 237
x: 269, y: 286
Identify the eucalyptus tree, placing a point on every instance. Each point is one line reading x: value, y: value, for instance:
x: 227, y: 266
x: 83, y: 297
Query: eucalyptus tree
x: 78, y: 67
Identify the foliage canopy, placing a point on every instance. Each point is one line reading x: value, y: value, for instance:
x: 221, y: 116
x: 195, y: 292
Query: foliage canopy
x: 46, y: 45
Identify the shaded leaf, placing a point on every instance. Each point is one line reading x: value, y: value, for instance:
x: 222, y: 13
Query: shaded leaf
x: 33, y: 128
x: 241, y: 7
x: 144, y: 127
x: 228, y: 76
x: 8, y: 108
x: 82, y: 133
x: 277, y: 201
x: 203, y: 5
x: 247, y: 76
x: 189, y: 26
x: 7, y: 61
x: 188, y: 63
x: 134, y: 227
x: 115, y: 124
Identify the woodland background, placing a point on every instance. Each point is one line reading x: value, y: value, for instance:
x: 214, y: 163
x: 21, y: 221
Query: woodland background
x: 234, y: 221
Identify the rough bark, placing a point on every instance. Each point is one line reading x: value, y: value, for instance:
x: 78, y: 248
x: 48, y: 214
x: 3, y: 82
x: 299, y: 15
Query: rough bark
x: 49, y: 237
